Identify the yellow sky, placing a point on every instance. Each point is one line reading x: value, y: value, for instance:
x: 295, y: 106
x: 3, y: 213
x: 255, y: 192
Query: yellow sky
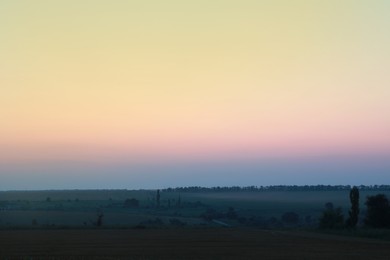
x: 195, y: 74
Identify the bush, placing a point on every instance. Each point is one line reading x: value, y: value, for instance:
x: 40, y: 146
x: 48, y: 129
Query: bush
x: 231, y: 214
x: 211, y: 214
x: 378, y: 211
x: 290, y: 218
x: 131, y: 203
x: 331, y: 218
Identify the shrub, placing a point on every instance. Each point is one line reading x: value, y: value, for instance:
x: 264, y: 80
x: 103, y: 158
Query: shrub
x: 290, y: 218
x: 378, y: 211
x: 331, y: 218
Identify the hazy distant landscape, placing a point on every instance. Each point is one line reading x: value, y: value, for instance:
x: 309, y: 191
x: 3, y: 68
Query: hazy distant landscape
x: 191, y: 207
x: 199, y: 223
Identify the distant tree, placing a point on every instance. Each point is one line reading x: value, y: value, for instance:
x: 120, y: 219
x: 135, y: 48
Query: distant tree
x: 131, y: 203
x: 290, y: 218
x: 331, y: 217
x: 308, y: 219
x: 211, y: 214
x: 158, y: 198
x: 231, y: 214
x: 354, y: 211
x: 99, y: 219
x: 273, y: 222
x: 329, y: 206
x: 34, y: 222
x: 48, y: 199
x: 278, y: 188
x: 378, y: 211
x: 242, y: 220
x: 178, y: 202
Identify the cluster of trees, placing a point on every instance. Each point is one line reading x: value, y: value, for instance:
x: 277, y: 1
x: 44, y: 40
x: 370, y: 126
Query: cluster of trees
x: 288, y: 219
x: 279, y: 188
x: 158, y: 202
x: 377, y: 214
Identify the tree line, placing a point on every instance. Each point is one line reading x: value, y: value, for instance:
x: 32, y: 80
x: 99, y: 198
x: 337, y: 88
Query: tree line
x: 279, y: 188
x: 377, y: 213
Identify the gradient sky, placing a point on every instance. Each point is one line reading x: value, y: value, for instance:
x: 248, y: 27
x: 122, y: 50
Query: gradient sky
x: 148, y: 94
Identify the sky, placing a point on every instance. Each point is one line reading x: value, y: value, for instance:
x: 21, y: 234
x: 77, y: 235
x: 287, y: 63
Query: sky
x: 150, y: 94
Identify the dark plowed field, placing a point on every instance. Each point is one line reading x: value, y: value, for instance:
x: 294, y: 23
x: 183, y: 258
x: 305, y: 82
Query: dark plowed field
x: 185, y: 244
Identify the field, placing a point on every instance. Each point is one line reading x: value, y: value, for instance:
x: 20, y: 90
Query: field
x: 79, y: 208
x: 123, y: 224
x: 187, y: 243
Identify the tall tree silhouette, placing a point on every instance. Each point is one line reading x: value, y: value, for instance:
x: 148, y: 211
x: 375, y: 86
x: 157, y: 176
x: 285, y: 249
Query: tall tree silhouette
x: 354, y: 211
x: 158, y: 198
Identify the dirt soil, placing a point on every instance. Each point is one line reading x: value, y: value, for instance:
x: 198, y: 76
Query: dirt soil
x: 213, y: 243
